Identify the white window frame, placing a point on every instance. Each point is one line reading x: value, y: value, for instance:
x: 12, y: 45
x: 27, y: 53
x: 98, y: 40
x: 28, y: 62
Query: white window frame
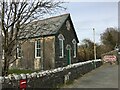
x: 75, y: 51
x: 37, y: 48
x: 61, y: 56
x: 19, y: 51
x: 61, y: 39
x: 74, y: 48
x: 3, y: 54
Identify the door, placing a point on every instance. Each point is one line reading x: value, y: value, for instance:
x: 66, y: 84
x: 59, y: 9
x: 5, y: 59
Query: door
x: 68, y: 47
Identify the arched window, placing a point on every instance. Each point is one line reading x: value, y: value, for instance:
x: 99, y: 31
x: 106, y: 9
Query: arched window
x: 74, y: 48
x: 61, y: 45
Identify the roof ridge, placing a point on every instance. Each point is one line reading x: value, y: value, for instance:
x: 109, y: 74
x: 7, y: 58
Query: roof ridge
x: 54, y: 16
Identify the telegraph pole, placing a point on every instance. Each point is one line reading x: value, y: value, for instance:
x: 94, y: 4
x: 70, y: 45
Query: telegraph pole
x: 94, y: 47
x: 94, y: 44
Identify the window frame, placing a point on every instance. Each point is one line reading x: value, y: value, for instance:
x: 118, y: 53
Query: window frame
x: 36, y: 48
x: 61, y: 52
x: 61, y: 39
x: 19, y: 52
x: 3, y: 54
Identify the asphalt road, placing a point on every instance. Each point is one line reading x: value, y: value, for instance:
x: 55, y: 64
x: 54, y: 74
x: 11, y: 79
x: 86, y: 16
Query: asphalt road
x: 105, y: 76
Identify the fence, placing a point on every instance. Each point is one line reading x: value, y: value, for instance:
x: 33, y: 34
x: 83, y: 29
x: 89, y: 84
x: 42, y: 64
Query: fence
x: 49, y: 78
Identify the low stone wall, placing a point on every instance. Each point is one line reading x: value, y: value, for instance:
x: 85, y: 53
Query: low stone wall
x: 50, y: 78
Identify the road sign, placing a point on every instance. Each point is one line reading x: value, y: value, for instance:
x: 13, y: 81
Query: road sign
x: 109, y: 58
x: 23, y: 84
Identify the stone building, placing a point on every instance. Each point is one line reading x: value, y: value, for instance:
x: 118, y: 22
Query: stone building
x: 51, y: 44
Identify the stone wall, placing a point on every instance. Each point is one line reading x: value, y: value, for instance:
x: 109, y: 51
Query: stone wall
x: 50, y: 78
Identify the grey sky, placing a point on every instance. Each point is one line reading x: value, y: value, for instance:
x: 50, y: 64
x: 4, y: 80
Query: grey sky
x: 89, y: 15
x: 91, y: 0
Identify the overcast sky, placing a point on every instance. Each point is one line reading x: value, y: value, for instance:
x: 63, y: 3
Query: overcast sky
x: 89, y: 15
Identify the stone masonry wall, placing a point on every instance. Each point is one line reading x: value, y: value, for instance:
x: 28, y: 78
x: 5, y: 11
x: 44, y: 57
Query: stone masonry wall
x: 49, y: 78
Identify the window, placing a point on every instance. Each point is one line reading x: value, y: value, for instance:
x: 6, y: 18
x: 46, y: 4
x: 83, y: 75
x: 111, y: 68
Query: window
x: 19, y: 51
x: 37, y: 49
x: 61, y: 45
x: 74, y: 48
x: 61, y: 51
x: 3, y: 54
x: 68, y: 25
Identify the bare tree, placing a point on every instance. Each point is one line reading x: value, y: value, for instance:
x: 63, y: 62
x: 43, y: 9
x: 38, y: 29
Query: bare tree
x: 86, y: 50
x: 14, y: 18
x: 109, y: 38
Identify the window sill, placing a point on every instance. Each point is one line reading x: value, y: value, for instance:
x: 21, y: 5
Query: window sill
x: 74, y: 57
x: 19, y: 57
x: 61, y: 57
x: 37, y: 57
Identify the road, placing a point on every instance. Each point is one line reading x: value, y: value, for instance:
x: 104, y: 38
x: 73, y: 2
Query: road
x: 105, y: 76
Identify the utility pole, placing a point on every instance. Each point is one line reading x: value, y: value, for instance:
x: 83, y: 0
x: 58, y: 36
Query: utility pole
x: 94, y: 44
x: 94, y: 47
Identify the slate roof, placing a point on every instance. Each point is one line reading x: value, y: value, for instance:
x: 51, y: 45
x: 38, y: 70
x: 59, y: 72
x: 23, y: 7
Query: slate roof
x: 49, y: 26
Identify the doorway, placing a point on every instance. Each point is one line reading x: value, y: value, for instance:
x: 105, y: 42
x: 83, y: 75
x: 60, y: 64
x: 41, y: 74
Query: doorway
x: 68, y: 47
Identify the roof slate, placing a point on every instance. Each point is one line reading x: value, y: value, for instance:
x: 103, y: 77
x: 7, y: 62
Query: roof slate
x: 44, y: 27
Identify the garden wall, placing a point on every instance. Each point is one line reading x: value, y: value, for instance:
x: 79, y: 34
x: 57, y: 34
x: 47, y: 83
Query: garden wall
x: 50, y: 78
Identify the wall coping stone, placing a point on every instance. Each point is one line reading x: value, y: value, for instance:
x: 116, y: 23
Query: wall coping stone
x: 44, y: 73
